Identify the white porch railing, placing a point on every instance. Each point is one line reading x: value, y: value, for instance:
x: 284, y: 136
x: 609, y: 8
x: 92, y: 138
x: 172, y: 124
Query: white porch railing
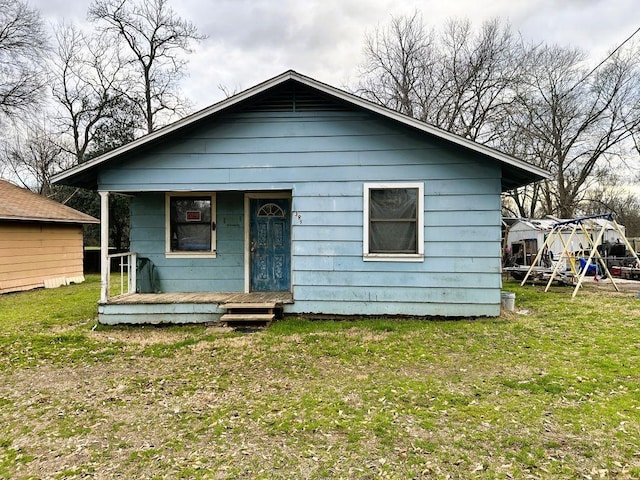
x: 127, y: 271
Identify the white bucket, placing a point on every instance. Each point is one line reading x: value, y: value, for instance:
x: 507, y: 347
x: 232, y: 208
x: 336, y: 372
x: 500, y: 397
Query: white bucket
x: 508, y: 301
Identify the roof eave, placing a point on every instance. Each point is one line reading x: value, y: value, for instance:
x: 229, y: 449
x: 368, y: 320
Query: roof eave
x: 25, y: 218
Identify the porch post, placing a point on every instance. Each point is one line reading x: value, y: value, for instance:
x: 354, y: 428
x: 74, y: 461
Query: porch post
x: 104, y: 246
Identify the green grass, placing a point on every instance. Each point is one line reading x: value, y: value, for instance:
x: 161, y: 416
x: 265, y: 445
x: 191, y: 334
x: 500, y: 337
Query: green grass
x: 550, y: 392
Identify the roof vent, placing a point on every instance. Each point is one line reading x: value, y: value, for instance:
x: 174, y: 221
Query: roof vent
x: 293, y: 97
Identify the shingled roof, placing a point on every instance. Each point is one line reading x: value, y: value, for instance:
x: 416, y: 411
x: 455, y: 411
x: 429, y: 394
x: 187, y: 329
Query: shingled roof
x: 19, y: 204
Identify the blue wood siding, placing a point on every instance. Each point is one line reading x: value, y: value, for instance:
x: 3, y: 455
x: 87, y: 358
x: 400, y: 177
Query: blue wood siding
x: 225, y: 273
x: 324, y: 159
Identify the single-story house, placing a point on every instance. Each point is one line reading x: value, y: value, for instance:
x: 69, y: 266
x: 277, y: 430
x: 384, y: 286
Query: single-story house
x: 40, y: 241
x: 331, y: 204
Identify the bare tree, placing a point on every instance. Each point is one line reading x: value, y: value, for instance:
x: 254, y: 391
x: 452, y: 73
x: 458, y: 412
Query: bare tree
x: 473, y: 84
x: 22, y: 44
x: 539, y: 103
x: 577, y: 122
x: 229, y: 92
x: 459, y: 80
x: 155, y: 37
x: 90, y: 78
x: 32, y: 156
x: 396, y: 65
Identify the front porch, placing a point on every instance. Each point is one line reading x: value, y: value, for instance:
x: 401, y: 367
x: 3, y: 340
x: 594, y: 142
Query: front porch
x: 199, y: 264
x: 192, y: 307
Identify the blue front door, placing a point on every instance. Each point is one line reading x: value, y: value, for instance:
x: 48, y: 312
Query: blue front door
x: 270, y: 244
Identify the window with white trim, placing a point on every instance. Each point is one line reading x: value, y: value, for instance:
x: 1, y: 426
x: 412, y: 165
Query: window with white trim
x: 190, y: 224
x: 393, y: 221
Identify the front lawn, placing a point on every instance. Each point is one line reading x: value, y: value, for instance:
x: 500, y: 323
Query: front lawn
x: 549, y: 391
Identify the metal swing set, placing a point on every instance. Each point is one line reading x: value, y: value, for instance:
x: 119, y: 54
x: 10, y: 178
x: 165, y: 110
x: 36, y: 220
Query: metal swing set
x: 594, y: 233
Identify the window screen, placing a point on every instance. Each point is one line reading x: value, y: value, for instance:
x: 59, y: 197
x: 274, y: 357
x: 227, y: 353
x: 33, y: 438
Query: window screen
x: 393, y: 220
x: 191, y: 225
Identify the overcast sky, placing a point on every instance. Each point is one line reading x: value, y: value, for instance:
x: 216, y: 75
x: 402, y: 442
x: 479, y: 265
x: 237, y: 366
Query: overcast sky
x: 252, y: 40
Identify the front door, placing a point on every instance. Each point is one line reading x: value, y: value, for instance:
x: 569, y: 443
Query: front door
x: 270, y: 244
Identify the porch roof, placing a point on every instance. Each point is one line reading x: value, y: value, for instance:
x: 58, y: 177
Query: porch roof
x: 515, y: 172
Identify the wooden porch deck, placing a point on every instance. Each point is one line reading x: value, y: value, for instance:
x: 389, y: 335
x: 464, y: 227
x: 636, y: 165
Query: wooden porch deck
x: 202, y: 297
x: 206, y: 307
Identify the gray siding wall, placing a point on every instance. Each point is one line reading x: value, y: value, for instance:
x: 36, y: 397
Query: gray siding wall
x: 324, y: 159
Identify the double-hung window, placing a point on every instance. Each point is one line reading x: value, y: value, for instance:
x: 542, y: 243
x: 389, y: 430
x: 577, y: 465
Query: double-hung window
x: 191, y: 225
x: 393, y: 221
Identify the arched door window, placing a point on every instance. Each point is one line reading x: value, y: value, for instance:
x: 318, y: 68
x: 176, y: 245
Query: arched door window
x: 271, y: 210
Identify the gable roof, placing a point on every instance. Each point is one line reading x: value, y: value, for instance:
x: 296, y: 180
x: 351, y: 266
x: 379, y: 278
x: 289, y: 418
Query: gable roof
x: 22, y: 205
x: 515, y: 172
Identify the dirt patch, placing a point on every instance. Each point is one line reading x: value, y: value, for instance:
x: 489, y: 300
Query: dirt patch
x: 138, y: 337
x: 606, y: 285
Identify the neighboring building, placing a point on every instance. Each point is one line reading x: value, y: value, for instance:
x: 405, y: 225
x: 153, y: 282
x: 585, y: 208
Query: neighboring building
x: 297, y: 187
x: 40, y: 241
x: 526, y: 236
